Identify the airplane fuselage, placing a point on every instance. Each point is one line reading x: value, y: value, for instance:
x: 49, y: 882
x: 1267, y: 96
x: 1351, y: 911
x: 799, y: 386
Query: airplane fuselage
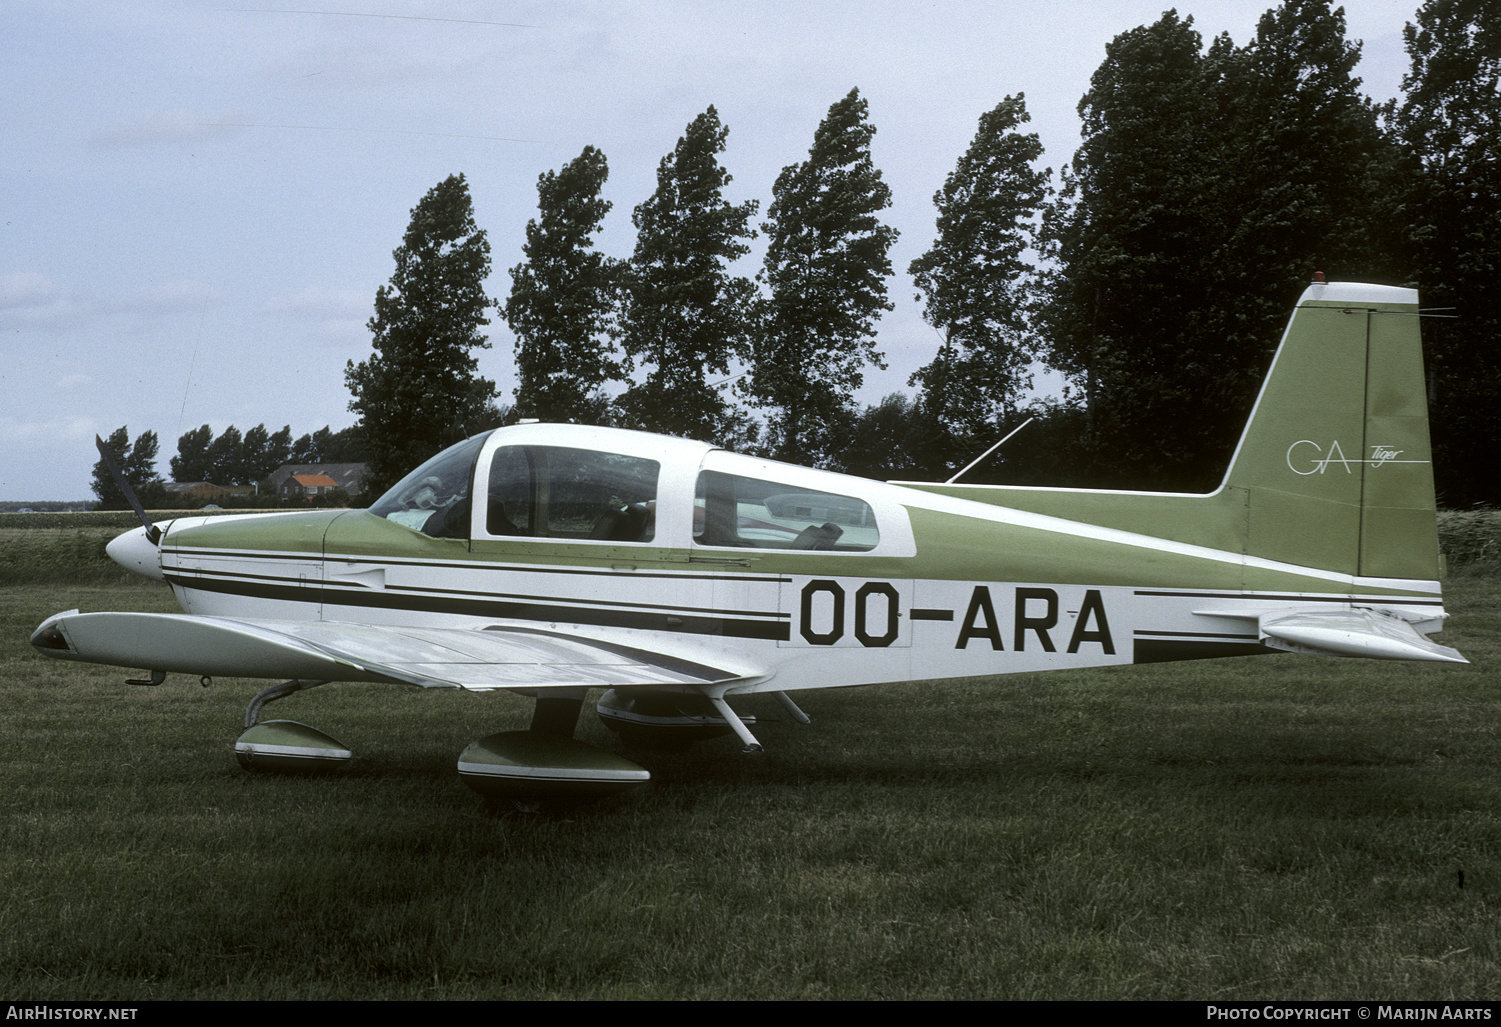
x: 917, y: 585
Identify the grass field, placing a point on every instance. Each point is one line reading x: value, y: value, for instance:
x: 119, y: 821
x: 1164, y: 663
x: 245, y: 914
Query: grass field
x: 1270, y: 827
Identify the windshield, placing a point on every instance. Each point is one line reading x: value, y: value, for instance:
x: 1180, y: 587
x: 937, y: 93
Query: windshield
x: 434, y: 499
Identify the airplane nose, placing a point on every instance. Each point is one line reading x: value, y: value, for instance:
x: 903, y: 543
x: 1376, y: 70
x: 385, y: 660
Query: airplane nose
x: 137, y: 554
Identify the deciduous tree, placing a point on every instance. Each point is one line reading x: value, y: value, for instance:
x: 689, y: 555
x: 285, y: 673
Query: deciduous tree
x: 686, y: 315
x: 232, y: 458
x: 137, y: 462
x: 826, y: 268
x: 191, y: 462
x: 976, y: 280
x: 1449, y: 129
x: 1209, y: 186
x: 564, y: 297
x: 278, y: 450
x: 328, y: 446
x: 226, y: 458
x: 418, y: 392
x: 891, y: 440
x: 254, y: 455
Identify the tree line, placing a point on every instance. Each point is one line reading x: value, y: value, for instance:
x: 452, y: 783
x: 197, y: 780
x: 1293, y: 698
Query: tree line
x: 1155, y: 271
x: 232, y: 458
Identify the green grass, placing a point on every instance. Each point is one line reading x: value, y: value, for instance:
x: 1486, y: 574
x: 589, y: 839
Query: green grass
x: 1273, y: 827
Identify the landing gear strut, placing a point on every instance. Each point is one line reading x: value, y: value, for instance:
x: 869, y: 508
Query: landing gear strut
x: 547, y: 762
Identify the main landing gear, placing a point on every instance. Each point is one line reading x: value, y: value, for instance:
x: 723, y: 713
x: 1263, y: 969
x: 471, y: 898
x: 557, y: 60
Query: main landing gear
x: 543, y: 764
x: 547, y: 762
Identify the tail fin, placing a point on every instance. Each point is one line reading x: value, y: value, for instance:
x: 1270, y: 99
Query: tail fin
x: 1335, y: 462
x: 1334, y: 468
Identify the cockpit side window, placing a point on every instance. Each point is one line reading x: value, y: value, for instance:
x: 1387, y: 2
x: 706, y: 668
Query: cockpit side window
x: 733, y: 510
x: 510, y: 508
x: 554, y: 492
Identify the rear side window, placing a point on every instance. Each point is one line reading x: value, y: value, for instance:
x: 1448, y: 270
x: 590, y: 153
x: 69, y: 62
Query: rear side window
x: 553, y: 492
x: 732, y: 510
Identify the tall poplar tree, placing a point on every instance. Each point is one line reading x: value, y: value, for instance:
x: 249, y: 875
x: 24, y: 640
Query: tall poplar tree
x: 419, y: 392
x: 563, y: 298
x: 685, y: 314
x: 826, y: 268
x: 976, y: 279
x: 278, y: 451
x: 255, y: 454
x: 1449, y: 128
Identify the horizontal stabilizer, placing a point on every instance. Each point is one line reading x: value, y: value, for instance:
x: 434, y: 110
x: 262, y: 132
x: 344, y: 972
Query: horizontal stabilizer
x: 1366, y: 633
x: 477, y: 659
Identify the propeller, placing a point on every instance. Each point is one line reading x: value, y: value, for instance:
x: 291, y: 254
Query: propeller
x: 153, y: 533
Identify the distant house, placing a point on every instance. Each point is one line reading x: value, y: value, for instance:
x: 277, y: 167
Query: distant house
x: 307, y: 486
x: 294, y: 482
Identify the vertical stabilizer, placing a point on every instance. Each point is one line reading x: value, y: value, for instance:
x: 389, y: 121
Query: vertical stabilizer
x: 1334, y: 469
x: 1335, y: 464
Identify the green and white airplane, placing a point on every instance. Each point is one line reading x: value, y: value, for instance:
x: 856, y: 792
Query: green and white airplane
x: 677, y: 576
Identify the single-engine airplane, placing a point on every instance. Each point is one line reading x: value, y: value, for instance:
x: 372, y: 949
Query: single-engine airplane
x: 551, y: 560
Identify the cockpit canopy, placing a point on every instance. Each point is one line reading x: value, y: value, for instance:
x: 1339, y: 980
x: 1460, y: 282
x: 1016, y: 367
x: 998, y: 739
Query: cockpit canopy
x: 534, y: 487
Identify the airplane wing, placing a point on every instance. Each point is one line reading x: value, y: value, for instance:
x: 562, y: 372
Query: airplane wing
x: 477, y: 659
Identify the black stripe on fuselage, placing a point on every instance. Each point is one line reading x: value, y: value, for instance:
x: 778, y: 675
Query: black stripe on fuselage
x: 318, y: 559
x: 344, y: 586
x: 484, y: 605
x: 1236, y: 635
x: 1292, y: 597
x: 1166, y: 650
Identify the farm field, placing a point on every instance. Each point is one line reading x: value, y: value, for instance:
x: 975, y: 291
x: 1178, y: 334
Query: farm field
x: 1268, y: 827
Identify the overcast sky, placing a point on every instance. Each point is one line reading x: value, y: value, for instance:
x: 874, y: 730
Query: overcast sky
x: 201, y: 199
